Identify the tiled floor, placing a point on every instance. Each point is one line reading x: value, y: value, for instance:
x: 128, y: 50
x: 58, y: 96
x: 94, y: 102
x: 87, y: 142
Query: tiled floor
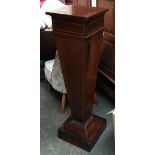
x: 51, y: 119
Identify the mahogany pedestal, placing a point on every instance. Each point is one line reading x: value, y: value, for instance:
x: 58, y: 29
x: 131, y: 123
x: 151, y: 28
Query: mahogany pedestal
x: 78, y: 32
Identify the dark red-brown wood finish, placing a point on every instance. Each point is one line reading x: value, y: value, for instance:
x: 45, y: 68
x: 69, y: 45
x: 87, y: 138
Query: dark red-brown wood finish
x: 78, y: 32
x: 106, y: 76
x: 106, y: 68
x: 81, y: 2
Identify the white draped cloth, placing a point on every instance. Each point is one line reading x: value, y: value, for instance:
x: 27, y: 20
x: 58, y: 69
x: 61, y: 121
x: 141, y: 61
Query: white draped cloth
x: 53, y: 74
x: 52, y: 68
x: 48, y: 5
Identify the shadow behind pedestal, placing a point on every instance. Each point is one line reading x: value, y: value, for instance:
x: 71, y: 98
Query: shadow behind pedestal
x: 78, y: 33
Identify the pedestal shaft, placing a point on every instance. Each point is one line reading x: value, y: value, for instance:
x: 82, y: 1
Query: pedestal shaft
x: 79, y: 62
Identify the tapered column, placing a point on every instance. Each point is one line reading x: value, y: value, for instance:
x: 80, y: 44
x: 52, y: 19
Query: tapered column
x: 78, y: 32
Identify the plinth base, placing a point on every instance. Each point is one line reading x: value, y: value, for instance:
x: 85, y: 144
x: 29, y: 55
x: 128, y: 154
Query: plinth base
x: 82, y: 135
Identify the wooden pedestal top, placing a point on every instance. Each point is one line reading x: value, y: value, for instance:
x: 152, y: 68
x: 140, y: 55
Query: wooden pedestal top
x: 82, y: 13
x: 78, y: 20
